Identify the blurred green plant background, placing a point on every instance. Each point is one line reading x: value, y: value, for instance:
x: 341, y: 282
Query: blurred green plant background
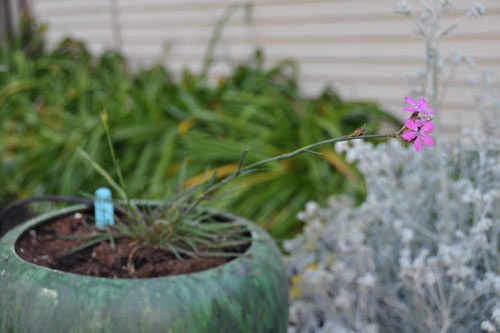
x: 50, y: 101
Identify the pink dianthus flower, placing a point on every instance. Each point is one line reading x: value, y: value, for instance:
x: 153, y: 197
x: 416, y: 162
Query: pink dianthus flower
x: 421, y: 106
x: 417, y: 131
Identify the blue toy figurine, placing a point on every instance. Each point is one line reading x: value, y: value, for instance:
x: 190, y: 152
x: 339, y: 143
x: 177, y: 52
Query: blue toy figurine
x: 103, y: 208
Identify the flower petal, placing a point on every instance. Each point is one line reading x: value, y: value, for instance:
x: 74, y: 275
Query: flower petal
x: 427, y: 140
x: 422, y: 103
x: 410, y: 101
x: 413, y: 105
x: 418, y: 144
x: 411, y: 124
x: 427, y: 127
x: 409, y: 135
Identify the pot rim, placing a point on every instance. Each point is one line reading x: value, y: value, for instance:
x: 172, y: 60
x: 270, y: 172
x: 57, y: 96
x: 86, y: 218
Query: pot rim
x: 258, y: 235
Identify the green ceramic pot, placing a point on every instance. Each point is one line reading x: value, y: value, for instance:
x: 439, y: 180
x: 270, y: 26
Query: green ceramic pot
x: 248, y: 294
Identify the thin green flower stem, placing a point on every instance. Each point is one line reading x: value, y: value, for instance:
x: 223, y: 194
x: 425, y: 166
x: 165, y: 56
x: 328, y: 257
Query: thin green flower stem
x: 209, y: 57
x: 94, y: 241
x: 311, y: 147
x: 102, y: 172
x: 307, y: 149
x: 68, y: 237
x: 133, y: 208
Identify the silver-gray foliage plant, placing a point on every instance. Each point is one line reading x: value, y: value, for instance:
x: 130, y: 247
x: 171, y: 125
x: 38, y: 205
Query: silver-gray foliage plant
x: 391, y: 264
x: 386, y: 265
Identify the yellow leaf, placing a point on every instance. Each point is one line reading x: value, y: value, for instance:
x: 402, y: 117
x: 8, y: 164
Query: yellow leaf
x: 222, y: 171
x: 295, y: 289
x: 185, y: 126
x: 339, y: 164
x: 296, y: 280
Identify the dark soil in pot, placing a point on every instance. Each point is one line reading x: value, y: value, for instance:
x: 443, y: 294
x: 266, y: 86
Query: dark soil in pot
x: 47, y: 245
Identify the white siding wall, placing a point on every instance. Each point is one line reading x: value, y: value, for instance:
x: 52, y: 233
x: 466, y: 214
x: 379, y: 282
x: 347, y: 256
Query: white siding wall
x: 360, y: 47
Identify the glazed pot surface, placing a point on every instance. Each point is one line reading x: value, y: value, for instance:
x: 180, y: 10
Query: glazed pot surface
x: 247, y: 294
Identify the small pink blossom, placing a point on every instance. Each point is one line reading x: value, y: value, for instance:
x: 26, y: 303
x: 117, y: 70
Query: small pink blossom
x: 417, y: 131
x: 421, y: 106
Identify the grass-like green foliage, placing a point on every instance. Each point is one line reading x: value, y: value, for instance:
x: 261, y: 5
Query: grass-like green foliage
x: 165, y: 129
x: 180, y: 224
